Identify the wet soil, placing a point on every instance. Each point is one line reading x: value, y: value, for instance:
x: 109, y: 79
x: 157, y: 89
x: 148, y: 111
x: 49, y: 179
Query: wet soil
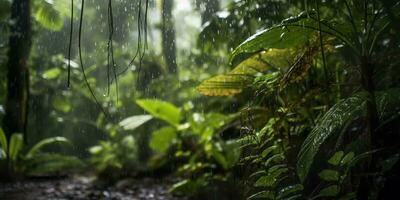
x: 83, y: 189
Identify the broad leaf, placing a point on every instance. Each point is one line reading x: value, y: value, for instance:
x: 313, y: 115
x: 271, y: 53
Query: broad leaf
x: 244, y: 73
x: 135, y: 121
x: 162, y: 139
x: 161, y: 110
x: 333, y: 121
x: 48, y: 16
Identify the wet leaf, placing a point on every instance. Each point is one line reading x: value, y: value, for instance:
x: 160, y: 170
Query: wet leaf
x: 161, y: 110
x: 162, y: 139
x: 132, y: 122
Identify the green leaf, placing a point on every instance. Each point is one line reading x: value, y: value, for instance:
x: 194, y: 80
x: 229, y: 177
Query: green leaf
x: 3, y: 140
x: 161, y: 110
x: 329, y: 191
x: 16, y: 144
x: 279, y: 37
x: 262, y: 195
x: 135, y: 121
x: 329, y: 175
x: 336, y: 158
x: 271, y: 179
x: 61, y: 104
x: 48, y: 141
x: 51, y: 73
x: 51, y: 163
x: 289, y: 190
x: 47, y: 16
x: 162, y: 139
x: 347, y: 158
x: 332, y: 122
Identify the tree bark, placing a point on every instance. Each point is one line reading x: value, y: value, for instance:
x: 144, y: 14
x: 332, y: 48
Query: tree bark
x: 15, y: 119
x: 168, y: 36
x: 372, y: 122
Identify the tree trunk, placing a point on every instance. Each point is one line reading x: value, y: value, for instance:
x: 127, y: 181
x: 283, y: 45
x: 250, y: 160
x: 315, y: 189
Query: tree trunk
x: 168, y: 36
x: 16, y: 107
x: 372, y: 122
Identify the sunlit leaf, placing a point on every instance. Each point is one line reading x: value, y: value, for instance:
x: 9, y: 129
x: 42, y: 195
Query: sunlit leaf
x: 244, y: 73
x: 161, y: 110
x: 135, y: 121
x: 47, y: 16
x: 162, y: 139
x: 51, y: 73
x: 61, y: 104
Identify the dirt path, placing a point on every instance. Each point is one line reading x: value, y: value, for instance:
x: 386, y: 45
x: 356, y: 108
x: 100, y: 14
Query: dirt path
x: 81, y: 189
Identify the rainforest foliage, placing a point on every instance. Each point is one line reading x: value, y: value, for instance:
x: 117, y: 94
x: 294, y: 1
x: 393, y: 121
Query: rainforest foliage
x: 243, y: 99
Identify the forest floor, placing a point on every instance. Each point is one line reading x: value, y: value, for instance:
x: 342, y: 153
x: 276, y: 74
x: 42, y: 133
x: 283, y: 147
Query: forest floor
x: 81, y: 188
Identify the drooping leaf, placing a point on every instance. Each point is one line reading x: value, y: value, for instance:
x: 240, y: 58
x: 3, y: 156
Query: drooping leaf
x: 244, y: 73
x: 47, y: 16
x: 51, y: 163
x: 292, y: 32
x: 333, y: 121
x: 161, y: 110
x: 48, y: 141
x: 135, y: 121
x: 162, y: 139
x: 16, y: 144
